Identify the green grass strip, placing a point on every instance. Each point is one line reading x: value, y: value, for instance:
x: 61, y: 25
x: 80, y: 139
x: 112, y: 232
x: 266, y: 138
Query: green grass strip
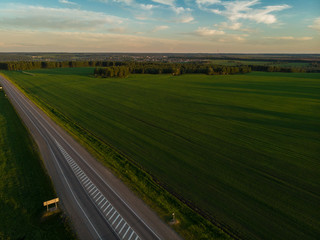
x: 24, y: 184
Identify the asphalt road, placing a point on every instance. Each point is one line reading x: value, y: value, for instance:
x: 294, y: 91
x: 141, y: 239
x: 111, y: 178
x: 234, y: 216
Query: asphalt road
x: 99, y: 205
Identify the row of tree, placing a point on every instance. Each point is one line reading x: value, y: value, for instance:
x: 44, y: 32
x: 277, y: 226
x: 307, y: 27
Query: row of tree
x: 263, y: 68
x: 133, y: 67
x: 168, y: 68
x: 30, y: 65
x: 122, y: 69
x: 155, y: 67
x: 115, y: 71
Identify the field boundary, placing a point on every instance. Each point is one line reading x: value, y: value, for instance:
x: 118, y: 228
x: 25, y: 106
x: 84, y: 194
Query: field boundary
x: 156, y: 194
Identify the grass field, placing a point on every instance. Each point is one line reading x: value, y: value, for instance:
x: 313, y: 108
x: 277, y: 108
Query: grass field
x: 243, y: 148
x: 24, y: 184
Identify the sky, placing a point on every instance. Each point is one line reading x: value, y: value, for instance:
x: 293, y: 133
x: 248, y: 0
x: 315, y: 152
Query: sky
x: 160, y: 26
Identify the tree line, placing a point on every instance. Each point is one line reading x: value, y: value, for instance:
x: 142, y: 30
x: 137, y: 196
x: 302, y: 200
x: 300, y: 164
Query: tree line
x: 263, y: 68
x: 167, y: 68
x: 112, y: 68
x: 123, y: 68
x: 114, y: 71
x: 31, y: 65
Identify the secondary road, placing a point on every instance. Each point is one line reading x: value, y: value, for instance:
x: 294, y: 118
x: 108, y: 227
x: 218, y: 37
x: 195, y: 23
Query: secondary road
x: 99, y: 205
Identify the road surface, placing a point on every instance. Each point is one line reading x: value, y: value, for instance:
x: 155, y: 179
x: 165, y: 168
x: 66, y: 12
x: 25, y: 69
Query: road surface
x: 99, y: 205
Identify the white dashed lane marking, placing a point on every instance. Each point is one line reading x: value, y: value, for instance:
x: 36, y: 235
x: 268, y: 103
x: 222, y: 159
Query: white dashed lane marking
x: 115, y: 220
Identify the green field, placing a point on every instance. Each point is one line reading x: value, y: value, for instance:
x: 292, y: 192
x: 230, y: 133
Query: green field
x: 24, y: 185
x: 243, y: 148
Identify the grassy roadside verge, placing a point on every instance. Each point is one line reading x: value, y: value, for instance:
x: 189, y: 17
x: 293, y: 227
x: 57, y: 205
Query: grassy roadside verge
x: 192, y: 225
x: 24, y: 184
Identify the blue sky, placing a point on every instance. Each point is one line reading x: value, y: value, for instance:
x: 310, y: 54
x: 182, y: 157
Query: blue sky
x: 225, y: 26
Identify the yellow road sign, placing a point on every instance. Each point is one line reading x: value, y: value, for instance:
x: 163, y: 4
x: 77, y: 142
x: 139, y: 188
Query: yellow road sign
x: 51, y: 201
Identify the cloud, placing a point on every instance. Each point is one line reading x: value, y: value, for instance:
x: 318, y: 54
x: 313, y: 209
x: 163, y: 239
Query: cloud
x: 184, y: 15
x: 220, y: 36
x: 67, y: 2
x: 235, y: 10
x: 231, y: 26
x: 207, y: 2
x: 146, y: 7
x: 127, y: 2
x: 159, y: 28
x: 37, y: 17
x: 143, y: 12
x: 141, y: 17
x: 304, y: 38
x: 316, y: 24
x: 87, y: 42
x: 234, y: 26
x: 238, y: 38
x: 291, y: 38
x: 179, y: 10
x: 207, y: 32
x: 165, y: 2
x: 117, y: 30
x: 185, y: 19
x: 49, y: 41
x: 232, y: 38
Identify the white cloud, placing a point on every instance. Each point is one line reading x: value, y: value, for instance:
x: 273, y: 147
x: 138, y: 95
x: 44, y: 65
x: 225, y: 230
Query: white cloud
x: 67, y: 2
x: 183, y: 15
x: 165, y: 2
x: 40, y: 41
x: 232, y: 38
x: 146, y: 7
x: 316, y: 24
x: 185, y: 19
x: 159, y: 28
x: 220, y: 36
x: 305, y: 38
x: 179, y: 10
x: 87, y: 42
x: 282, y: 38
x: 231, y: 26
x: 127, y: 2
x: 37, y: 17
x: 235, y: 10
x: 291, y: 38
x: 141, y: 17
x: 207, y: 2
x: 206, y: 32
x: 234, y: 26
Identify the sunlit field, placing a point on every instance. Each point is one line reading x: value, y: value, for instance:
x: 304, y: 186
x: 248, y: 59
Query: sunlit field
x: 243, y: 148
